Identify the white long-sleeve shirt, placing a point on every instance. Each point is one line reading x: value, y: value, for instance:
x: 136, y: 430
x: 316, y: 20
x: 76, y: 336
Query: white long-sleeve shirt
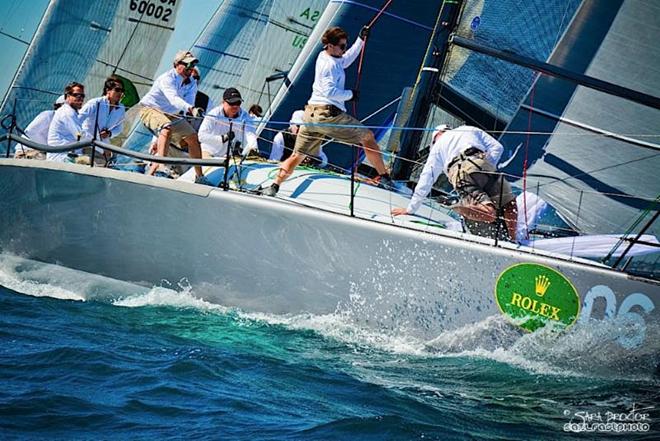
x: 216, y: 124
x: 277, y: 150
x: 448, y: 146
x: 329, y: 77
x: 168, y: 93
x: 37, y: 130
x: 64, y: 129
x: 111, y: 120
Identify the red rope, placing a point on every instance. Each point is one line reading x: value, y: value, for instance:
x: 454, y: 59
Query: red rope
x: 359, y: 70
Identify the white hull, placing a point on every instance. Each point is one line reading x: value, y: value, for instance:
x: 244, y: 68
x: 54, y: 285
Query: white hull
x: 269, y: 255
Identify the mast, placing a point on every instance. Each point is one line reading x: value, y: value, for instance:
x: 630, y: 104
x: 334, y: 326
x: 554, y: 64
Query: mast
x: 426, y: 87
x: 37, y: 34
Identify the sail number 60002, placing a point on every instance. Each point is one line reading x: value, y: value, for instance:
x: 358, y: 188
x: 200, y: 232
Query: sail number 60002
x: 152, y: 10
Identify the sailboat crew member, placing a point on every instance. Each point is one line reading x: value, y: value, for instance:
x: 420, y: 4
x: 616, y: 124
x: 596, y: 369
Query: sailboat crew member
x: 65, y: 127
x: 216, y: 133
x: 37, y: 131
x: 285, y: 141
x: 111, y: 113
x: 468, y: 156
x: 171, y: 96
x: 326, y: 110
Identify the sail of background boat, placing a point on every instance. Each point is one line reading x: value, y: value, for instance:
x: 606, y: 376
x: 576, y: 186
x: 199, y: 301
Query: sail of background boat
x: 85, y: 41
x: 243, y: 44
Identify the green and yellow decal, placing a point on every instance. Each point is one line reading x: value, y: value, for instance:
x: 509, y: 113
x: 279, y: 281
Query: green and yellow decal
x: 533, y: 295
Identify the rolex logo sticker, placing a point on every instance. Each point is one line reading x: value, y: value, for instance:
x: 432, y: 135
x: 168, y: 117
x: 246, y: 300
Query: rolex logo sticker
x: 533, y: 295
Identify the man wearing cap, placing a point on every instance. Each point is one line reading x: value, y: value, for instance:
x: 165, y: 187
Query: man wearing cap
x: 37, y: 131
x: 285, y: 141
x: 325, y: 111
x: 170, y: 98
x: 226, y: 123
x: 468, y: 156
x: 65, y: 127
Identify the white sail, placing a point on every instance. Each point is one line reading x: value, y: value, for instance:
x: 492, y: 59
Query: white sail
x: 247, y: 41
x: 85, y: 41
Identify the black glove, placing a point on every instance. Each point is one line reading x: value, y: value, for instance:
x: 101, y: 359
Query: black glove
x: 356, y: 95
x: 364, y: 32
x: 229, y: 136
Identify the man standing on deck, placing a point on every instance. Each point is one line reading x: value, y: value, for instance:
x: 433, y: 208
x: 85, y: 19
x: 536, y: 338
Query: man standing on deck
x: 65, y: 127
x: 468, y: 156
x: 325, y: 111
x: 170, y: 98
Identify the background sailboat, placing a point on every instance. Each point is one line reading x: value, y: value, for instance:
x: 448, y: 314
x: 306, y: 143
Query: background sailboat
x: 86, y: 41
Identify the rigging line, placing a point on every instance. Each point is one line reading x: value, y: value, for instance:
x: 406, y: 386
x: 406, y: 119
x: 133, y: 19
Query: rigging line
x: 619, y: 137
x: 634, y: 225
x: 20, y: 40
x: 590, y: 172
x: 45, y: 15
x: 128, y: 43
x: 389, y: 14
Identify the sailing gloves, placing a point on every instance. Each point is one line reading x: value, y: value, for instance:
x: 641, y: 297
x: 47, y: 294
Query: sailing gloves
x: 197, y: 112
x: 356, y: 95
x: 364, y: 32
x: 229, y: 136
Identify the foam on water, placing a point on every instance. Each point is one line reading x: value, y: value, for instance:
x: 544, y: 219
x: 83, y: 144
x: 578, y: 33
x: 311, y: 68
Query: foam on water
x: 584, y: 350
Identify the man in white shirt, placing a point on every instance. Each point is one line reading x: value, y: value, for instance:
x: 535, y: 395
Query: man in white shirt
x: 172, y: 96
x: 37, y: 131
x: 65, y: 127
x: 215, y: 133
x: 325, y: 111
x: 468, y: 156
x: 111, y: 113
x: 285, y: 141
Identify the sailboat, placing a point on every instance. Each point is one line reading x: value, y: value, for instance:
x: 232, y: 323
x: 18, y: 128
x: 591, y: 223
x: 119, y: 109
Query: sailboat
x: 417, y: 276
x: 86, y: 41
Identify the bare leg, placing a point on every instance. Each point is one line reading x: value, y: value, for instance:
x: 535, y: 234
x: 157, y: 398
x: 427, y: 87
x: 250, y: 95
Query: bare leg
x: 194, y: 150
x: 372, y: 151
x: 288, y: 166
x: 162, y: 148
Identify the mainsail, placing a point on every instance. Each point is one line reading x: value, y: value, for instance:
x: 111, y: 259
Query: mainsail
x: 392, y: 60
x: 526, y: 27
x: 597, y: 156
x: 85, y: 41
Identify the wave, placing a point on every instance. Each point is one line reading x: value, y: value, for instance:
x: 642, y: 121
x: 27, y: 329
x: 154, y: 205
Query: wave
x: 585, y: 350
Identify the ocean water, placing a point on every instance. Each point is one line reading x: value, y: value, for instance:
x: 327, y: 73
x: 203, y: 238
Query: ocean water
x: 84, y: 357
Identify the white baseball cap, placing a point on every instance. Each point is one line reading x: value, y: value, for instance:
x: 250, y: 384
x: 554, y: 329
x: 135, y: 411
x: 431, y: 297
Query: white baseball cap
x: 438, y: 129
x: 297, y: 117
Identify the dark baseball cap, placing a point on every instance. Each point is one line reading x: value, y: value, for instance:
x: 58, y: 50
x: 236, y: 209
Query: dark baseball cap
x: 232, y: 96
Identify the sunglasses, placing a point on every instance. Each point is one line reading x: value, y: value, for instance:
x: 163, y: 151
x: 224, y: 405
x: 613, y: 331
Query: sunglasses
x: 340, y: 46
x: 189, y: 66
x: 118, y: 89
x: 77, y: 95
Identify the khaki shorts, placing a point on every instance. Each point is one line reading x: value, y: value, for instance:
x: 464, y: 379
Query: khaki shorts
x: 155, y: 120
x: 477, y: 181
x: 29, y: 154
x: 310, y: 138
